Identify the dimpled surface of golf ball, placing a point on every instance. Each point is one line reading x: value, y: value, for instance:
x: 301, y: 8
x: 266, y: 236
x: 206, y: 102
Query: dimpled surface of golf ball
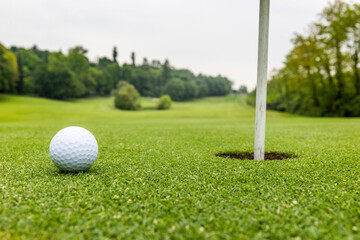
x: 73, y: 149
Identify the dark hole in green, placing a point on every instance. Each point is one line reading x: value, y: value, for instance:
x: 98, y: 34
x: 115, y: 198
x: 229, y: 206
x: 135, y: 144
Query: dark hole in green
x: 250, y: 155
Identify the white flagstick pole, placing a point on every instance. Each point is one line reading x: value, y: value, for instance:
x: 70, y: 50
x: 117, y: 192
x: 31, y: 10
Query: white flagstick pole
x: 260, y: 119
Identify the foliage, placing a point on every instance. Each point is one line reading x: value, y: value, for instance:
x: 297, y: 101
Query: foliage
x: 243, y: 89
x: 115, y: 54
x: 176, y: 89
x: 191, y: 90
x: 20, y: 85
x: 164, y: 102
x: 321, y: 74
x: 103, y: 81
x: 127, y: 97
x: 101, y: 78
x: 8, y: 70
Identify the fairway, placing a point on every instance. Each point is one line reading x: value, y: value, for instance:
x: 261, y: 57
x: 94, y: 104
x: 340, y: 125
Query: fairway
x: 157, y: 176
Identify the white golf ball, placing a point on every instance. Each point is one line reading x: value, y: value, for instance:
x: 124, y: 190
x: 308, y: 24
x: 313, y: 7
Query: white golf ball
x: 73, y: 149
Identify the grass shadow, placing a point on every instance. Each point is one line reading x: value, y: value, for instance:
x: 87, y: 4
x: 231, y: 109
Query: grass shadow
x: 4, y: 98
x: 92, y: 171
x: 149, y: 109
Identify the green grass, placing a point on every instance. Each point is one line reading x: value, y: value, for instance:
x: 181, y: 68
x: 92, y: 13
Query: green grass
x: 156, y: 176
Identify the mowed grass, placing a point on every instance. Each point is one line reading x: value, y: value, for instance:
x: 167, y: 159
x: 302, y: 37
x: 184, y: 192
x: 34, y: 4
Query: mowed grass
x: 157, y: 176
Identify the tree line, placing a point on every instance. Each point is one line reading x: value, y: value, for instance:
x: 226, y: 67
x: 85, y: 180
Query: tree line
x: 321, y: 74
x: 62, y: 76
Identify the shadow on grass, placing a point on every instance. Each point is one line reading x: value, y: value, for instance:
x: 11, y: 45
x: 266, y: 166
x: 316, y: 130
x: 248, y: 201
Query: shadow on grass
x: 250, y: 155
x: 4, y: 98
x: 148, y: 109
x: 92, y: 171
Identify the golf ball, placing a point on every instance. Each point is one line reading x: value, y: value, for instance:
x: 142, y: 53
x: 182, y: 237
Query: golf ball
x: 73, y: 149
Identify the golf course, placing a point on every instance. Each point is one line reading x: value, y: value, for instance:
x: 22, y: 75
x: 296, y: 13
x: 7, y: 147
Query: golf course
x: 157, y: 175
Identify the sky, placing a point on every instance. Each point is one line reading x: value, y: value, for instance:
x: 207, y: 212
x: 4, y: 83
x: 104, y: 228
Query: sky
x: 206, y: 36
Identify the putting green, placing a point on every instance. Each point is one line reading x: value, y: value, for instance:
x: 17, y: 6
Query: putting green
x: 157, y: 176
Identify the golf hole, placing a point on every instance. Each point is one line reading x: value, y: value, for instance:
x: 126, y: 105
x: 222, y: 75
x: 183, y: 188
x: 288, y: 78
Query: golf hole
x: 250, y: 155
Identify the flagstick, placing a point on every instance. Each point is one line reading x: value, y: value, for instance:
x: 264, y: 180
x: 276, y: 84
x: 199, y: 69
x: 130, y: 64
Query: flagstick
x: 260, y: 119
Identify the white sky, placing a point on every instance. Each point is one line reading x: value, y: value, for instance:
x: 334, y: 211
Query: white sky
x: 206, y: 36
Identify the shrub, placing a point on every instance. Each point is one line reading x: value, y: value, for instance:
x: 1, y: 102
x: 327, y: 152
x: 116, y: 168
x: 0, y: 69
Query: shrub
x: 164, y: 102
x: 127, y: 98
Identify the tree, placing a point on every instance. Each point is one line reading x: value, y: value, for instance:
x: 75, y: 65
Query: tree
x: 203, y: 89
x: 103, y: 62
x: 103, y: 81
x: 243, y: 89
x: 352, y: 18
x: 114, y: 54
x: 127, y: 73
x: 99, y: 78
x: 153, y: 81
x: 155, y: 63
x: 191, y: 90
x: 30, y: 62
x: 113, y: 72
x: 54, y: 83
x: 321, y: 75
x: 20, y: 86
x: 8, y: 70
x: 141, y: 81
x: 165, y: 73
x: 133, y: 59
x: 176, y: 89
x: 336, y: 30
x: 79, y: 65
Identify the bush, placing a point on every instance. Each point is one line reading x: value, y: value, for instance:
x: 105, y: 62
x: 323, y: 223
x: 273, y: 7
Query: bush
x: 164, y: 102
x: 127, y: 98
